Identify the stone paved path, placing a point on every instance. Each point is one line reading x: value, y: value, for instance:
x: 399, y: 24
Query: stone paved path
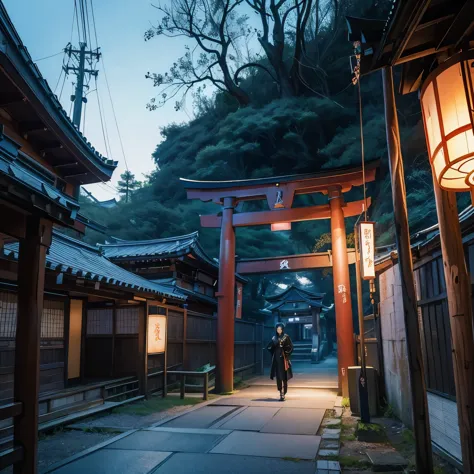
x: 250, y: 432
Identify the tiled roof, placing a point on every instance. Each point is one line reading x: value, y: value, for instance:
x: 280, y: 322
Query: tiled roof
x: 166, y: 247
x: 422, y: 238
x: 77, y: 258
x: 295, y: 295
x: 17, y: 52
x: 171, y: 283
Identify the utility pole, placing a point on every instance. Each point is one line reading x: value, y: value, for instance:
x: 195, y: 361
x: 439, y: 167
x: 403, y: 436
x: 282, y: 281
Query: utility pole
x: 81, y: 55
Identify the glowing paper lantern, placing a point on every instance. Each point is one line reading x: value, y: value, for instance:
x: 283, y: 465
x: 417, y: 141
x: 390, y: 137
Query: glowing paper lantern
x: 367, y: 250
x: 281, y: 226
x: 448, y: 114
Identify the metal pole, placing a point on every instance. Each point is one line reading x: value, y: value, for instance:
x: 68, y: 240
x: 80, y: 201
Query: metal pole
x: 76, y: 115
x: 363, y: 392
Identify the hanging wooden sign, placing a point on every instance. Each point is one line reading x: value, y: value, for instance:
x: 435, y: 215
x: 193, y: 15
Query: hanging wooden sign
x: 157, y: 328
x: 367, y: 250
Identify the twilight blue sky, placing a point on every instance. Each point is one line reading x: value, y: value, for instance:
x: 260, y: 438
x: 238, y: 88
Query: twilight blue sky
x: 45, y: 28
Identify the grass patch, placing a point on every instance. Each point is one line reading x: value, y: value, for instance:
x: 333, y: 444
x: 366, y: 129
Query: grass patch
x: 99, y: 430
x: 154, y: 405
x: 350, y: 461
x: 369, y: 427
x: 389, y: 412
x: 348, y: 437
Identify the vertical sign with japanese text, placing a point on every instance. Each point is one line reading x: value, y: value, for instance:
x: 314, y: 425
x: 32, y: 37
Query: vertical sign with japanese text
x: 156, y: 334
x: 367, y: 250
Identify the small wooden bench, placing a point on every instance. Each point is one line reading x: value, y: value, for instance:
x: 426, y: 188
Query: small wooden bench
x: 192, y: 373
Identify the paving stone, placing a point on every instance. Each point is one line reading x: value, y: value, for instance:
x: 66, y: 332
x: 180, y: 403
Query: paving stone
x: 383, y: 461
x: 269, y: 445
x: 297, y: 421
x: 251, y: 419
x: 338, y: 412
x: 331, y: 422
x: 201, y: 418
x: 334, y: 466
x: 186, y: 463
x: 329, y: 444
x: 329, y: 433
x: 322, y: 471
x: 322, y: 464
x: 107, y: 461
x: 328, y: 452
x: 167, y: 441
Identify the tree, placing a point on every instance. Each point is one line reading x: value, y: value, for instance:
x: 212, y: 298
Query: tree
x: 127, y: 185
x: 217, y: 29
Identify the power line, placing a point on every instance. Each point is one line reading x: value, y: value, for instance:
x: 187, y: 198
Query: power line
x: 108, y: 90
x: 77, y: 20
x: 102, y: 121
x: 47, y: 57
x: 115, y: 116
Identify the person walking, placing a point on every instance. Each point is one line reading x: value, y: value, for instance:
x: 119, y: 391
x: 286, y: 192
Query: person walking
x: 281, y: 348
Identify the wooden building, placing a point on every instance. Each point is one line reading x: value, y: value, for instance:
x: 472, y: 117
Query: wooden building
x: 307, y: 320
x: 61, y: 302
x: 433, y: 318
x: 177, y: 263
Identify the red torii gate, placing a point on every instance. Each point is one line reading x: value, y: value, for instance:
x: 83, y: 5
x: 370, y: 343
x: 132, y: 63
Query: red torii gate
x: 279, y: 193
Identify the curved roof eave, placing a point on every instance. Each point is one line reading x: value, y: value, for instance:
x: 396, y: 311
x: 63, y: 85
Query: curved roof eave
x: 15, y: 56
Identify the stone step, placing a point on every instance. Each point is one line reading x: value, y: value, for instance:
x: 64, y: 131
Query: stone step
x: 300, y: 357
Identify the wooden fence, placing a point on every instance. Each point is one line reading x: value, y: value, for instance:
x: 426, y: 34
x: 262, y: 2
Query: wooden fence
x: 192, y: 344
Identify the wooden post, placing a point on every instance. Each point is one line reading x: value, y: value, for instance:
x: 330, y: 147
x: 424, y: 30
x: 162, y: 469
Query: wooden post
x: 206, y: 387
x: 31, y: 270
x: 421, y: 425
x: 142, y: 359
x: 316, y: 336
x: 83, y: 339
x: 458, y: 288
x: 362, y: 382
x: 342, y: 290
x: 67, y: 324
x: 185, y: 332
x: 165, y: 357
x: 183, y: 386
x: 114, y: 331
x: 225, y: 302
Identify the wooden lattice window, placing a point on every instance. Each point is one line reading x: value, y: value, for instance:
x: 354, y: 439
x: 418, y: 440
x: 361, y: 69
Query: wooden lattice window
x: 127, y: 320
x: 100, y: 321
x: 52, y: 321
x: 8, y: 311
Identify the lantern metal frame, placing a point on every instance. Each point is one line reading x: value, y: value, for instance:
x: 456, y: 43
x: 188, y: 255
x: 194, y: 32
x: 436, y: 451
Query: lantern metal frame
x: 460, y: 58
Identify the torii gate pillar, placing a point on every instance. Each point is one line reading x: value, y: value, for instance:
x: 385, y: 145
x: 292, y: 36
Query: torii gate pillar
x: 342, y: 290
x: 226, y: 301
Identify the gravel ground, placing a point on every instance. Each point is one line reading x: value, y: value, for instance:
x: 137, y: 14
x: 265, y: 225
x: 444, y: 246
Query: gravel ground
x: 126, y: 421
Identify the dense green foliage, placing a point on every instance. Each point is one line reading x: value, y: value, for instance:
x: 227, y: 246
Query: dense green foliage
x: 276, y: 136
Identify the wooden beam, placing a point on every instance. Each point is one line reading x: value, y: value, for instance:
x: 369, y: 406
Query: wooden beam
x: 289, y: 263
x: 421, y: 424
x: 458, y: 287
x: 460, y: 27
x: 297, y: 214
x: 244, y: 191
x: 31, y: 271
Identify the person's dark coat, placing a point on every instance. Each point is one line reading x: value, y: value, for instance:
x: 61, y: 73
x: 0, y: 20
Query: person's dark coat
x: 280, y: 348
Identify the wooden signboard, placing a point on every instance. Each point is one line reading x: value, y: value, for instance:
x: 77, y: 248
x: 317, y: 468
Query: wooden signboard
x: 157, y: 328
